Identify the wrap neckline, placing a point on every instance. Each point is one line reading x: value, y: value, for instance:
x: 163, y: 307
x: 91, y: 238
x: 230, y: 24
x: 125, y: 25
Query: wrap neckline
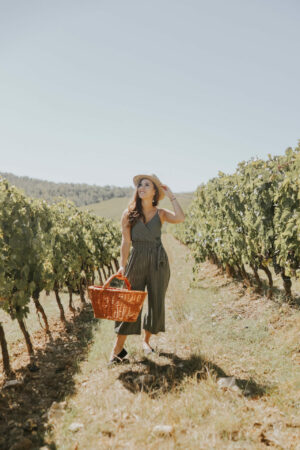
x: 150, y: 219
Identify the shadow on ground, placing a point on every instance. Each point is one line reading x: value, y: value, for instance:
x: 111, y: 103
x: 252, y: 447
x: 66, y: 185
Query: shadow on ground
x: 156, y: 379
x: 23, y: 409
x: 278, y: 295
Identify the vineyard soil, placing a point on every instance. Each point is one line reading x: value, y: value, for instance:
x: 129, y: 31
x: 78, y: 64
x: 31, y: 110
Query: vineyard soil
x: 175, y: 399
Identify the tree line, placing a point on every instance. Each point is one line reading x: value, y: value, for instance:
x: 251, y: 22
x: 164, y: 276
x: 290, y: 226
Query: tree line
x: 49, y: 248
x: 250, y: 219
x: 80, y: 194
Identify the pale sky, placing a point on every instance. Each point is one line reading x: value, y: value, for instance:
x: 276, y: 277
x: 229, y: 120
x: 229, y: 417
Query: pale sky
x: 98, y: 91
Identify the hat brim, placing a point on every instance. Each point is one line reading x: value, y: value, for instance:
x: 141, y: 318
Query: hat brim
x: 154, y: 180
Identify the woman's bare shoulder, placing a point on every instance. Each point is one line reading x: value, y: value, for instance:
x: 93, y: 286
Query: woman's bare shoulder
x: 125, y: 212
x: 124, y: 217
x: 161, y: 213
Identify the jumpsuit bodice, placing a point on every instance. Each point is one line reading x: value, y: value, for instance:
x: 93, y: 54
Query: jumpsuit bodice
x: 145, y: 236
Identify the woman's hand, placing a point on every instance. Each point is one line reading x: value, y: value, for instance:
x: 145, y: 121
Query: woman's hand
x: 168, y: 191
x: 121, y: 271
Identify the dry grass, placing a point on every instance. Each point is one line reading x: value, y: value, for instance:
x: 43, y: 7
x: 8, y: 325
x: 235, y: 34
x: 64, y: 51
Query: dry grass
x: 12, y: 329
x: 214, y: 330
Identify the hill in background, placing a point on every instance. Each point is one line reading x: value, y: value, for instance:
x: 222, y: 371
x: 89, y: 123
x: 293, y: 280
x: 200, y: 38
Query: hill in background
x: 106, y: 201
x: 114, y: 207
x: 80, y: 194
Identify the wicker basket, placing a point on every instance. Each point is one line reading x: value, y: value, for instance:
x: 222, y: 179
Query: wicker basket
x: 122, y: 305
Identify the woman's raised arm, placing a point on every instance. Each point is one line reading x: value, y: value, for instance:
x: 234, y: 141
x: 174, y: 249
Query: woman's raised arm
x: 175, y: 216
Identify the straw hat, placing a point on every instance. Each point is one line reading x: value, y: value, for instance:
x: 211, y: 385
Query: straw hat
x: 155, y: 180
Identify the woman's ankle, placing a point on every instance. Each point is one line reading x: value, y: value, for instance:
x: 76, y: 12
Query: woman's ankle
x: 119, y: 344
x: 147, y: 337
x: 116, y: 350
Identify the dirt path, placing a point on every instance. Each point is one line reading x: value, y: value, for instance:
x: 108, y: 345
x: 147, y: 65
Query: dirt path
x: 177, y: 399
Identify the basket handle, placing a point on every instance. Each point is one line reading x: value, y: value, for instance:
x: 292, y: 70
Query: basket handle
x: 120, y: 277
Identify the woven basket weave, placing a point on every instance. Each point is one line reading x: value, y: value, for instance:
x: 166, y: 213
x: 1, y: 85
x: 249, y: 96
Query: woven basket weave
x: 122, y: 305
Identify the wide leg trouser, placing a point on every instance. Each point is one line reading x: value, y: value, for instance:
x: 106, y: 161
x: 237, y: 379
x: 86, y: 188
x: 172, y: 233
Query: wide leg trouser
x: 143, y: 271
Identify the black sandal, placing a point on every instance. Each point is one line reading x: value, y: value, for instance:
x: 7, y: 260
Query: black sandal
x: 123, y: 353
x: 119, y: 358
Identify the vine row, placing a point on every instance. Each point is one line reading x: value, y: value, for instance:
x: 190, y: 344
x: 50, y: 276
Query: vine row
x: 249, y: 221
x: 48, y: 248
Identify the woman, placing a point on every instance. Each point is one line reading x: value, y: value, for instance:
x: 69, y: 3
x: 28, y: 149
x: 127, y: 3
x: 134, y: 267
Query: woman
x: 148, y: 263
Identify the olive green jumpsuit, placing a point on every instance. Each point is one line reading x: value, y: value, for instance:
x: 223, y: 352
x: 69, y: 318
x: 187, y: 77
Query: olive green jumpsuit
x: 148, y: 265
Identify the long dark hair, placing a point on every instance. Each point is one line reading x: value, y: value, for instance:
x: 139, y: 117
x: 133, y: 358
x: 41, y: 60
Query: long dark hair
x: 135, y: 209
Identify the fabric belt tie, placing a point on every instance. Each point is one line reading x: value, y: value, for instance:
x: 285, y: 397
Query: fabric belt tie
x: 158, y: 245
